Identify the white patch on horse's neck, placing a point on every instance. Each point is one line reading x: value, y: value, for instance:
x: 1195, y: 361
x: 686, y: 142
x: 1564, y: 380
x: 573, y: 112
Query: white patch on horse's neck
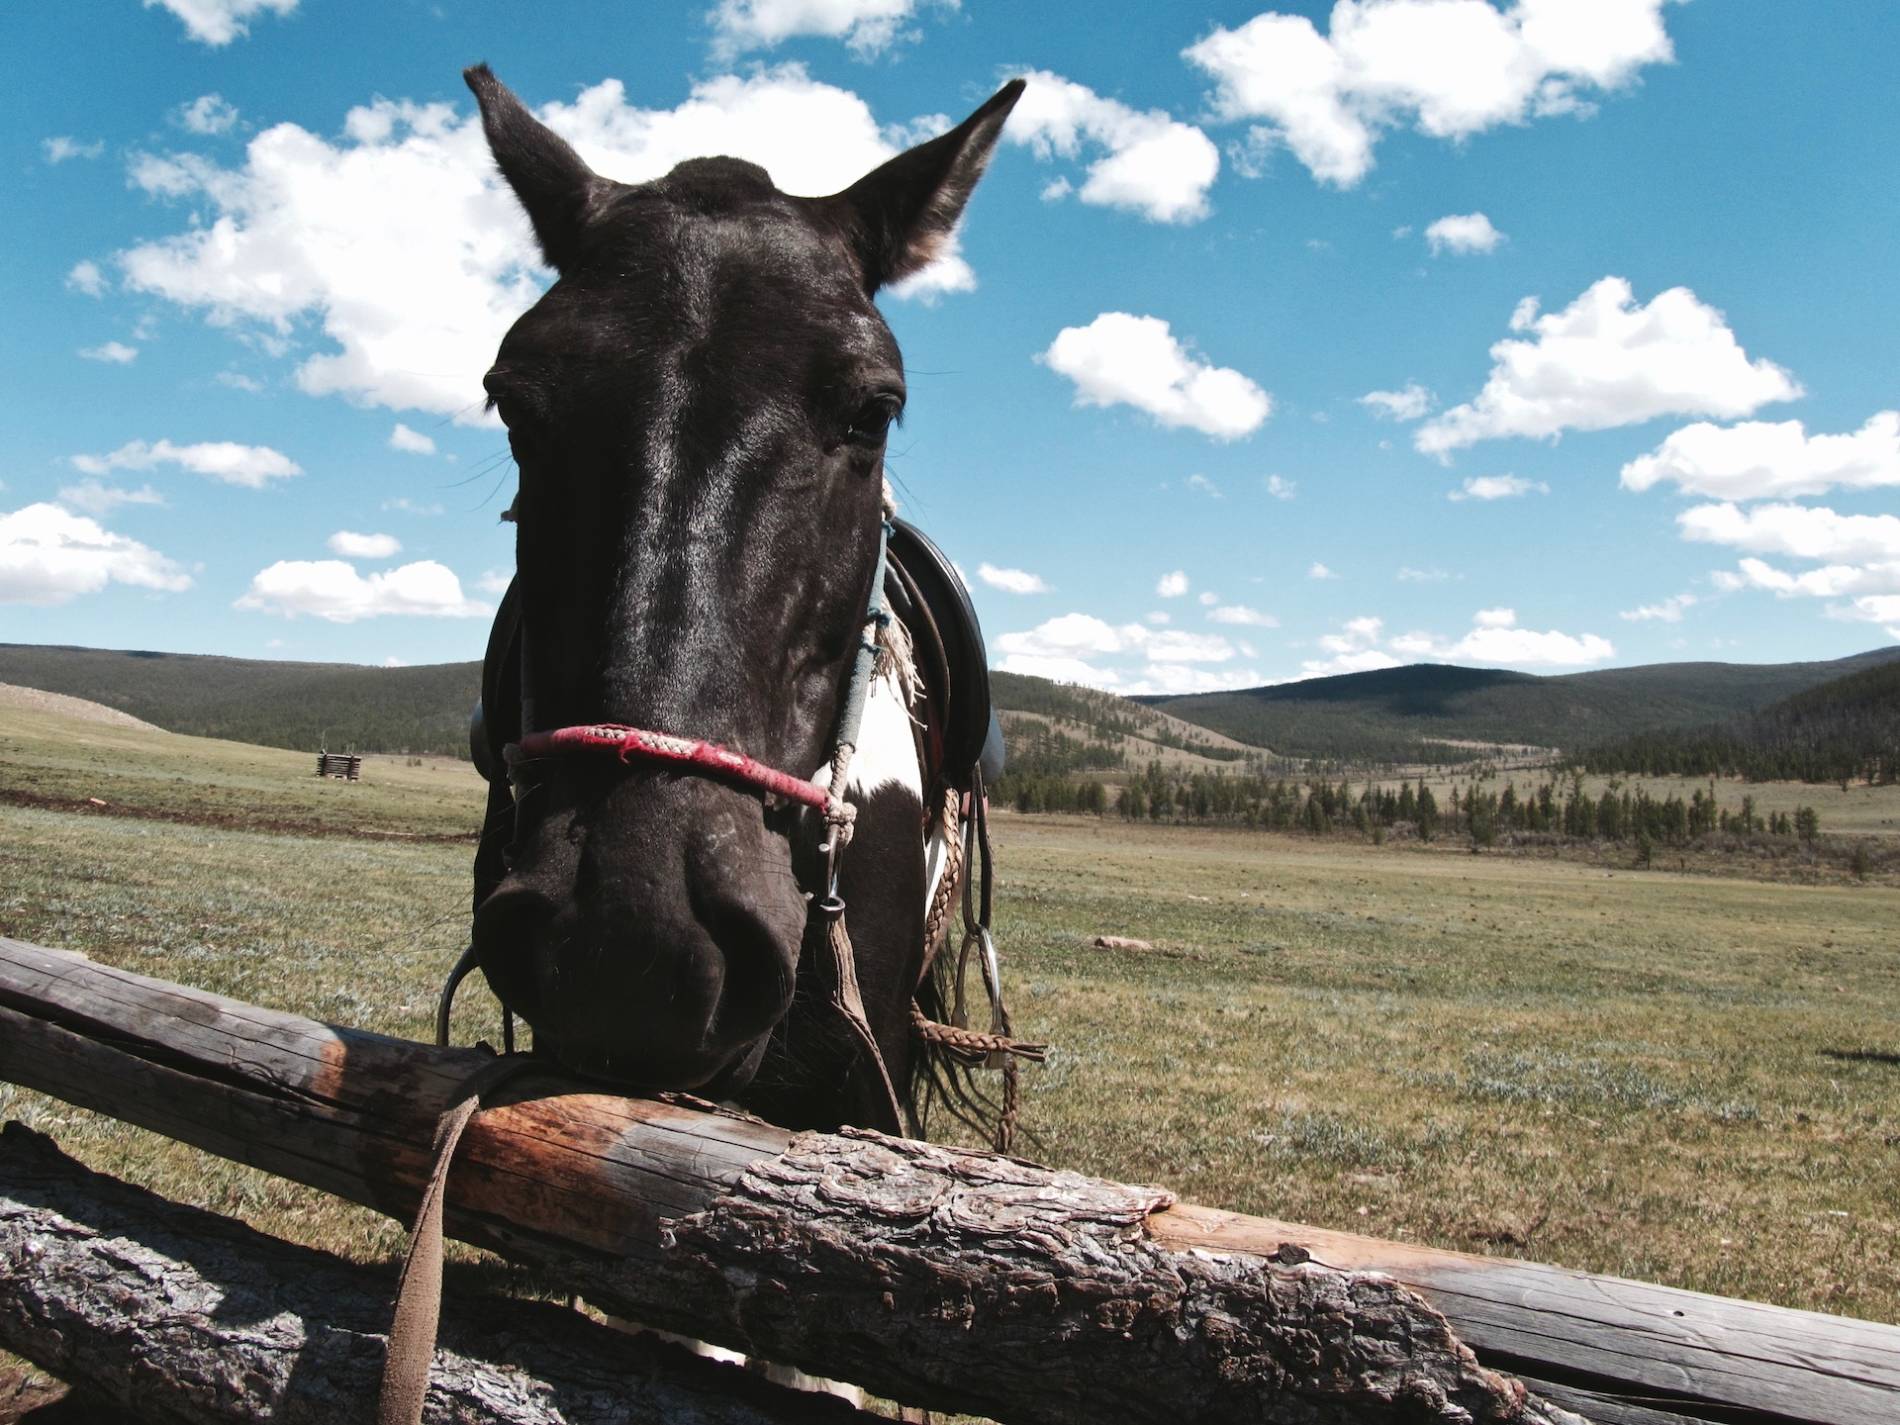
x: 886, y: 753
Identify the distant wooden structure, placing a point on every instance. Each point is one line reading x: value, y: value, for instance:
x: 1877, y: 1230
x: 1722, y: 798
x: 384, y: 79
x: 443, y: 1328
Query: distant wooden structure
x: 344, y: 766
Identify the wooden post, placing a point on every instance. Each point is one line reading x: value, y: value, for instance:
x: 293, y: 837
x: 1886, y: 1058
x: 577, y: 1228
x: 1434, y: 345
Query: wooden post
x: 232, y: 1326
x: 952, y: 1279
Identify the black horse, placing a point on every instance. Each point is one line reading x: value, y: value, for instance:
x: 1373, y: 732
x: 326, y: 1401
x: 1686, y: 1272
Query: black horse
x: 698, y: 408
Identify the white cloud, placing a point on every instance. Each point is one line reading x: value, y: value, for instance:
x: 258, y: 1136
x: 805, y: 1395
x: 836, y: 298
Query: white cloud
x: 115, y: 353
x: 1757, y: 459
x: 1408, y: 575
x: 207, y: 114
x: 1077, y: 647
x: 398, y: 242
x: 1668, y: 611
x: 495, y: 582
x: 1354, y: 650
x: 62, y: 147
x: 1282, y: 488
x: 1463, y: 233
x: 1172, y: 586
x: 1604, y: 361
x: 50, y: 556
x: 87, y: 278
x: 1449, y: 68
x: 1136, y: 361
x: 414, y: 442
x: 1205, y: 486
x: 1317, y: 570
x: 1831, y: 581
x: 1208, y: 598
x: 1496, y: 640
x: 330, y: 589
x: 1153, y: 165
x: 1497, y: 487
x: 252, y: 466
x: 1242, y: 615
x: 96, y: 498
x: 238, y: 381
x: 1802, y: 531
x: 868, y: 27
x: 218, y: 22
x: 351, y: 545
x: 1410, y: 404
x: 1011, y: 581
x: 1159, y: 617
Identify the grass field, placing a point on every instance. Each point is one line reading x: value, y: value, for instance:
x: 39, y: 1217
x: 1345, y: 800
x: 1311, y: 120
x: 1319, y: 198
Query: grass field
x: 1693, y: 1080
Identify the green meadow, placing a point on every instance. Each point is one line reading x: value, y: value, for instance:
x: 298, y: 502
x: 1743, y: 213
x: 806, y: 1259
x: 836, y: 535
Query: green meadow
x: 1693, y: 1079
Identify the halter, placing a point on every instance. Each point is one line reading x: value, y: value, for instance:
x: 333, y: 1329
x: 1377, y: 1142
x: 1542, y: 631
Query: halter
x: 971, y: 742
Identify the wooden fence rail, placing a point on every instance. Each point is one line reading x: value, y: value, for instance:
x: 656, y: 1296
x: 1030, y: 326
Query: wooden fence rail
x: 951, y: 1279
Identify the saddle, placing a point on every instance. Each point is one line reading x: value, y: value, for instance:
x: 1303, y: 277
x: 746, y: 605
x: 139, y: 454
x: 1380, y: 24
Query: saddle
x: 962, y: 738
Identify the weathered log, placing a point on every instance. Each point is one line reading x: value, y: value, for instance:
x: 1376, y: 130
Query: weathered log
x: 174, y: 1314
x: 955, y: 1279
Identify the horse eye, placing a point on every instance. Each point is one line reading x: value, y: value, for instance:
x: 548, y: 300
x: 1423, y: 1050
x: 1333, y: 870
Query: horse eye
x: 873, y: 419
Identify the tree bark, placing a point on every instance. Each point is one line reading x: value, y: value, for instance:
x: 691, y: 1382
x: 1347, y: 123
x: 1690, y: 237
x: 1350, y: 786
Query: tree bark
x: 939, y: 1277
x: 175, y: 1314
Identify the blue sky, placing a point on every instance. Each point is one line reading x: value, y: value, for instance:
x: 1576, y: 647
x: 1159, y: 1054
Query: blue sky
x: 1553, y: 334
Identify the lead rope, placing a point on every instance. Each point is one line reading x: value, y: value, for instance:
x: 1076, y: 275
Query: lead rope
x: 412, y: 1330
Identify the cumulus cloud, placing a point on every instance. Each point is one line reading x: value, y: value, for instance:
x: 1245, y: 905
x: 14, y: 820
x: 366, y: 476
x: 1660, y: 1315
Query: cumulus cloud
x: 1172, y: 586
x: 1758, y: 459
x: 1076, y: 647
x: 399, y: 244
x: 331, y: 589
x: 1317, y: 570
x: 1202, y: 485
x: 1011, y: 581
x: 1449, y: 68
x: 1605, y: 361
x: 1496, y: 640
x: 867, y: 27
x: 1282, y: 488
x: 63, y: 147
x: 1497, y: 487
x: 97, y: 498
x: 86, y: 277
x: 1802, y: 531
x: 114, y: 353
x: 1137, y: 361
x: 208, y: 114
x: 412, y: 441
x: 1463, y: 233
x: 1148, y: 162
x: 1242, y: 615
x: 351, y: 545
x: 1668, y: 611
x: 218, y: 22
x: 50, y: 556
x: 1410, y: 404
x: 253, y: 466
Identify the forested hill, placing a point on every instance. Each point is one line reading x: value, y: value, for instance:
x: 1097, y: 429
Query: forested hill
x: 348, y: 706
x: 1411, y: 714
x: 344, y: 706
x: 1846, y: 729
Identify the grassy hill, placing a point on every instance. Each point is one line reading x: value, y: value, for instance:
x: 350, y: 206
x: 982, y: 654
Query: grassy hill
x: 275, y: 704
x: 1846, y: 729
x: 1411, y: 714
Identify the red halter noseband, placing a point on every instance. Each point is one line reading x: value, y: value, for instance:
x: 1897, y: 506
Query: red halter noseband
x: 631, y: 743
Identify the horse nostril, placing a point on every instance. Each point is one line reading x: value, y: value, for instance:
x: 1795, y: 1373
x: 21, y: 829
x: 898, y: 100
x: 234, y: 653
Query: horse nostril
x: 507, y: 928
x: 760, y: 963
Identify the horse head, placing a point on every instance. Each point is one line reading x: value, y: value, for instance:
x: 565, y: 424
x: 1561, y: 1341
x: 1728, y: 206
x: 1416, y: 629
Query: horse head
x: 698, y: 409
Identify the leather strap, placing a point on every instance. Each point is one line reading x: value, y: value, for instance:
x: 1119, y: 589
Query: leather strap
x: 412, y: 1332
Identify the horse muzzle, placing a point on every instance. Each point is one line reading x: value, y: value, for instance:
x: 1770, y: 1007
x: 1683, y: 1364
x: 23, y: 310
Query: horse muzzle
x: 657, y: 946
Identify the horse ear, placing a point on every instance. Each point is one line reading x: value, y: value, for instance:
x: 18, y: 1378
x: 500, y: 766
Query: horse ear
x: 899, y: 216
x: 549, y: 178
